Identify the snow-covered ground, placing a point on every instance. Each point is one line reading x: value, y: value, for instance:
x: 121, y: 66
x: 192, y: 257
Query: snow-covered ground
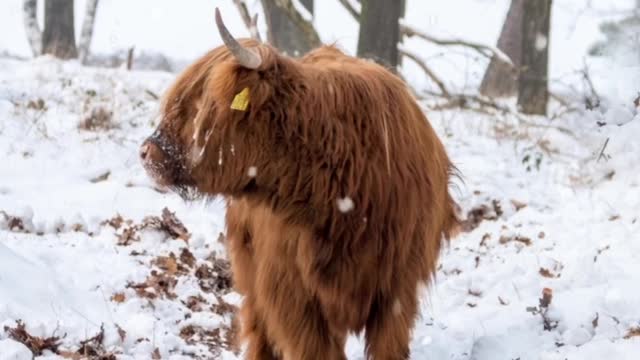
x: 569, y: 223
x: 554, y: 204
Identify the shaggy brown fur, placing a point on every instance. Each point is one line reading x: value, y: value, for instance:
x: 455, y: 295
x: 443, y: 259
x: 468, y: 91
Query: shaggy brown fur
x: 321, y: 133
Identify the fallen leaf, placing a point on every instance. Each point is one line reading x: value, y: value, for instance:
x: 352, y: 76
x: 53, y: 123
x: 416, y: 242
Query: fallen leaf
x: 518, y: 205
x: 187, y: 258
x: 100, y: 178
x: 37, y: 345
x: 633, y: 332
x: 118, y: 297
x: 167, y: 263
x: 547, y: 296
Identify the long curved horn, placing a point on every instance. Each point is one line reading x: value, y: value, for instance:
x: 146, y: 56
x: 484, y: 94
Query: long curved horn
x: 245, y: 57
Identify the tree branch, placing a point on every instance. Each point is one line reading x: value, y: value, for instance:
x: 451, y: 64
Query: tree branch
x: 306, y: 26
x: 351, y: 9
x: 484, y: 50
x: 415, y: 58
x: 249, y: 22
x: 244, y: 12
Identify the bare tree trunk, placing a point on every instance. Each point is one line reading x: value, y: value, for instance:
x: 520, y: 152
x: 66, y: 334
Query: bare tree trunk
x: 59, y: 37
x: 533, y: 93
x: 34, y: 34
x: 289, y: 31
x: 87, y: 30
x: 380, y: 31
x: 500, y: 79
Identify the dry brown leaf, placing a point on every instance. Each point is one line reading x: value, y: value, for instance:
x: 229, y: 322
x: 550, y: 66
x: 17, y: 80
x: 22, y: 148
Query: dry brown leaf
x: 547, y: 296
x: 156, y: 285
x: 215, y: 276
x: 517, y: 238
x: 213, y: 339
x: 14, y: 223
x: 187, y: 258
x: 546, y: 273
x: 37, y: 345
x: 128, y: 235
x: 118, y: 297
x: 519, y: 205
x: 167, y: 264
x: 481, y: 213
x: 93, y: 348
x: 195, y: 303
x: 174, y: 226
x: 116, y: 222
x: 633, y: 332
x: 156, y: 354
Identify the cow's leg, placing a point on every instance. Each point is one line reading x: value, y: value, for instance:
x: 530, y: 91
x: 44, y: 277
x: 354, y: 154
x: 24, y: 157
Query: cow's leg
x: 294, y: 318
x: 388, y: 330
x: 255, y: 333
x: 240, y: 249
x: 308, y: 337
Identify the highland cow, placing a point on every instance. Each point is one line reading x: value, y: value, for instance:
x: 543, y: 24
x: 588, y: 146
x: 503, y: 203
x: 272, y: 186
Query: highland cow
x: 336, y: 188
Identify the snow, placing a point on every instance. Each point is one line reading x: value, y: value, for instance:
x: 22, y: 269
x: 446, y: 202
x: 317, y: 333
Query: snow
x: 345, y: 204
x: 567, y: 189
x: 300, y: 8
x: 13, y: 350
x: 252, y: 172
x: 541, y: 42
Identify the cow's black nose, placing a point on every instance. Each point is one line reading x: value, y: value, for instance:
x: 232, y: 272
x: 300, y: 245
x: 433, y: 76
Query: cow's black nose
x: 151, y: 153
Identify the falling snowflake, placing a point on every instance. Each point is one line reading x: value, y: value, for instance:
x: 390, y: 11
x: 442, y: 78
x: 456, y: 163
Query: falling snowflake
x: 541, y: 42
x: 252, y: 172
x: 345, y: 204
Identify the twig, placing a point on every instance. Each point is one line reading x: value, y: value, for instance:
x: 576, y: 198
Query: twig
x: 602, y: 154
x: 250, y: 22
x: 484, y: 105
x: 152, y: 94
x: 484, y: 50
x: 426, y: 70
x: 406, y: 30
x: 593, y: 101
x: 244, y: 12
x: 130, y: 58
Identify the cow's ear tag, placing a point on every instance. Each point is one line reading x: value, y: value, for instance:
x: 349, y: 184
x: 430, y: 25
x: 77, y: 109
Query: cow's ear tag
x: 241, y: 100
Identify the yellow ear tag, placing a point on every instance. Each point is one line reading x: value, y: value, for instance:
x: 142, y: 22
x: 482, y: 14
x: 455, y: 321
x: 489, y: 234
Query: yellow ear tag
x: 241, y: 101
